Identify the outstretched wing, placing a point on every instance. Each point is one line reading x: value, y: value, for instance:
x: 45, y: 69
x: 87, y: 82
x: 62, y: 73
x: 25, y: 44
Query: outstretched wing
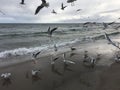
x: 48, y: 30
x: 38, y: 9
x: 43, y: 1
x: 110, y: 41
x: 62, y: 5
x: 53, y: 30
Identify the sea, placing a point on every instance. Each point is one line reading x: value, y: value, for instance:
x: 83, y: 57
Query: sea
x: 26, y: 39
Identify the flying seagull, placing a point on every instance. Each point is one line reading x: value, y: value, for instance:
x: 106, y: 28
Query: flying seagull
x: 63, y: 7
x: 36, y: 54
x: 110, y: 41
x: 22, y: 2
x: 67, y: 61
x: 105, y: 25
x: 54, y: 12
x: 71, y: 1
x: 50, y: 31
x: 78, y: 10
x: 44, y: 4
x: 86, y: 23
x: 5, y: 75
x: 111, y: 23
x: 117, y: 27
x: 2, y: 12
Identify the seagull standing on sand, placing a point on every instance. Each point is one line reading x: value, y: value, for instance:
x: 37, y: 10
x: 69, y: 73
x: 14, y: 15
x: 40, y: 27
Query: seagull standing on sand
x: 6, y: 75
x: 44, y: 4
x: 22, y: 2
x: 117, y: 57
x: 67, y: 61
x: 35, y: 72
x: 63, y: 7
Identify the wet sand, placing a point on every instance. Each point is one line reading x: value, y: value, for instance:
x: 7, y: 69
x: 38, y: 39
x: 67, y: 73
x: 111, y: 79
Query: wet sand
x: 78, y: 76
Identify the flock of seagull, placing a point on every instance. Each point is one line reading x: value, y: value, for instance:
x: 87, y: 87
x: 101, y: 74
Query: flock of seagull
x: 46, y: 4
x: 87, y: 60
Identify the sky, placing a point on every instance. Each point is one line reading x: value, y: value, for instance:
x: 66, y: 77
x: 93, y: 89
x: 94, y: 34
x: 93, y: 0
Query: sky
x: 91, y: 11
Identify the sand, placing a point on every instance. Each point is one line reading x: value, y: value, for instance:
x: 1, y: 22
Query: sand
x: 103, y: 76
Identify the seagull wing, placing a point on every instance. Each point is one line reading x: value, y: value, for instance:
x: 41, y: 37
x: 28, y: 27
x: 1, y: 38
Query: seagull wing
x: 38, y: 9
x: 37, y: 53
x: 65, y: 6
x: 48, y: 30
x: 53, y: 30
x: 71, y: 62
x: 62, y: 5
x: 22, y: 1
x: 55, y: 58
x: 43, y: 1
x: 110, y: 41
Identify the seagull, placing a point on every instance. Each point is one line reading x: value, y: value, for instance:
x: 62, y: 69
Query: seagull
x: 63, y: 7
x: 111, y: 23
x: 53, y: 64
x: 85, y: 56
x: 78, y: 10
x: 35, y: 72
x: 50, y: 31
x: 53, y: 60
x: 71, y: 1
x: 5, y: 75
x: 105, y: 25
x: 73, y: 48
x: 44, y: 4
x: 92, y: 62
x: 54, y: 12
x: 67, y: 61
x: 117, y: 27
x: 55, y: 48
x: 117, y: 57
x: 22, y: 2
x: 36, y: 54
x: 110, y: 41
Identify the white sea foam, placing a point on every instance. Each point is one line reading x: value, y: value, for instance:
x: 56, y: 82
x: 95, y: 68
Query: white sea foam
x: 29, y: 51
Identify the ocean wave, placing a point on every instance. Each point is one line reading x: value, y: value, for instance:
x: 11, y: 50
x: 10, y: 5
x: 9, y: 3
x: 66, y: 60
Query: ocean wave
x: 29, y: 51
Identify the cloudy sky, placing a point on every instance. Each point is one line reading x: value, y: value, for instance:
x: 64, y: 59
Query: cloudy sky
x: 92, y: 10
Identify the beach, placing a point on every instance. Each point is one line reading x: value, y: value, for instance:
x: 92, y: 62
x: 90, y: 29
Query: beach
x: 77, y: 76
